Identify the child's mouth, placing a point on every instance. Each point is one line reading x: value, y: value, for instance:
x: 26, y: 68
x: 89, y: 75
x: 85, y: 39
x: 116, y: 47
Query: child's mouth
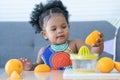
x: 60, y: 37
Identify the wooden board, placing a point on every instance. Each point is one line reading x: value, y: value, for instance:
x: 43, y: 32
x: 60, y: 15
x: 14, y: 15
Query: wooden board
x: 69, y: 74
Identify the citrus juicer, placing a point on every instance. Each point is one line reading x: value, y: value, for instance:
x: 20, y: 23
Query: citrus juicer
x: 84, y: 61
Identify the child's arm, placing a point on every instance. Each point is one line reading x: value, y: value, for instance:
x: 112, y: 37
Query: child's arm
x: 39, y: 59
x: 76, y: 44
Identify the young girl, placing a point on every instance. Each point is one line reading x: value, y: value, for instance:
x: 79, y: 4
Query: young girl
x: 51, y: 21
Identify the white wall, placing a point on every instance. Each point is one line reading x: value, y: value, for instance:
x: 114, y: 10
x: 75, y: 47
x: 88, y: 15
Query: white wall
x: 80, y: 10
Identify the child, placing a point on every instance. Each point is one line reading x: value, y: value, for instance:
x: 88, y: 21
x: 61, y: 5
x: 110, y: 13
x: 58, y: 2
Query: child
x: 51, y: 21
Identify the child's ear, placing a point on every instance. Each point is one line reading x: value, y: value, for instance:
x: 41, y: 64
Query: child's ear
x: 43, y: 33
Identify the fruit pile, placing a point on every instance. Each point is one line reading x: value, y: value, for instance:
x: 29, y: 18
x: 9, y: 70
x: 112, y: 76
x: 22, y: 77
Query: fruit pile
x: 14, y: 68
x: 106, y: 65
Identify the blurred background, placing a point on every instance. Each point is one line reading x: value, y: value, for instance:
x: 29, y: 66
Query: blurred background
x: 80, y: 10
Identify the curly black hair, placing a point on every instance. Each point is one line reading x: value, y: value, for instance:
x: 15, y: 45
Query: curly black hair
x: 42, y: 10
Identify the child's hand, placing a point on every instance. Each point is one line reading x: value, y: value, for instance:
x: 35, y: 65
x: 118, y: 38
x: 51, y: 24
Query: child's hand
x: 100, y: 41
x: 27, y: 64
x: 99, y: 45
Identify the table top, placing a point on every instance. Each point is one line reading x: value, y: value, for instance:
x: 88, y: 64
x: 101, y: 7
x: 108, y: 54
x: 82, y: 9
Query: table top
x: 30, y: 75
x: 61, y: 75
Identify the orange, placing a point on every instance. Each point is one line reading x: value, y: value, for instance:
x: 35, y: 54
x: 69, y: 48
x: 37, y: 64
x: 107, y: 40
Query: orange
x: 15, y: 75
x: 105, y: 65
x: 117, y: 66
x: 42, y: 68
x: 13, y: 65
x: 91, y: 38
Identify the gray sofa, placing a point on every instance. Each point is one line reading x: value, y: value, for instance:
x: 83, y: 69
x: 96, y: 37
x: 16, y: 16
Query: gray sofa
x: 18, y: 39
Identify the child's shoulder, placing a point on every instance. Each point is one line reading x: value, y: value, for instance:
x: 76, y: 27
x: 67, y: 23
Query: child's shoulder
x: 42, y: 49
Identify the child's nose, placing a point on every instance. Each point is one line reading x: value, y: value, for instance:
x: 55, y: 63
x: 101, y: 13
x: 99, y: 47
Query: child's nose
x: 59, y: 30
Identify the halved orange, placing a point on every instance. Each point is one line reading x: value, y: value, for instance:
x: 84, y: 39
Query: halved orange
x: 14, y: 76
x: 105, y: 65
x: 117, y: 66
x: 42, y: 68
x: 91, y: 38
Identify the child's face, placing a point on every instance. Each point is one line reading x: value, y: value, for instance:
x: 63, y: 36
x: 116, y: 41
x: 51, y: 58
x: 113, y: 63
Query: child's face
x: 56, y: 29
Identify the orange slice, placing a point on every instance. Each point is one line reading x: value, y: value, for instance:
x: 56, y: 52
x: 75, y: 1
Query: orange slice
x: 14, y: 76
x: 117, y: 66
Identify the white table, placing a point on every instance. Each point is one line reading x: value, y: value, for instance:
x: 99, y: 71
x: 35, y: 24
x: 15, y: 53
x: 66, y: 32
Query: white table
x: 64, y: 75
x: 30, y: 75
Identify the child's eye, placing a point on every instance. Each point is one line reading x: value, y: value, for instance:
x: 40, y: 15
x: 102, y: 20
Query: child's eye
x: 53, y: 29
x: 64, y: 26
